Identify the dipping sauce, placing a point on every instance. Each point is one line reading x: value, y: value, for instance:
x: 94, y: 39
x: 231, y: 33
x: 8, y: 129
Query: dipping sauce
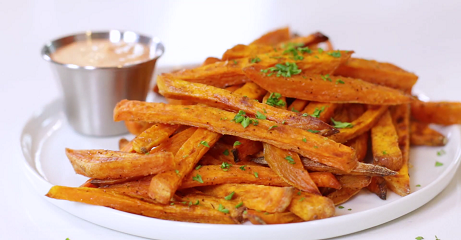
x: 101, y: 53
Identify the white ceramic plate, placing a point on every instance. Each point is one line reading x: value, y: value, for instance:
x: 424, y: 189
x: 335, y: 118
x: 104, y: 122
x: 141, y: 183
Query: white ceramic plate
x: 47, y: 133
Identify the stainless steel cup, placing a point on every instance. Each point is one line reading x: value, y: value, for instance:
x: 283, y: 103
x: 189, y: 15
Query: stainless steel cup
x: 91, y: 93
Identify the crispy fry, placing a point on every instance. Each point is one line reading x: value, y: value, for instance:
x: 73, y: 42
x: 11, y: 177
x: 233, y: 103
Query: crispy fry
x: 175, y: 142
x: 210, y: 60
x: 378, y: 187
x: 120, y: 202
x: 422, y: 134
x: 152, y: 137
x: 385, y: 144
x: 123, y: 142
x: 312, y: 87
x: 137, y: 127
x: 105, y: 182
x: 242, y: 148
x: 360, y: 145
x: 316, y: 147
x: 289, y: 167
x: 298, y: 105
x: 385, y: 74
x: 257, y: 197
x: 233, y: 88
x: 227, y: 73
x: 444, y: 113
x: 251, y: 90
x: 164, y: 185
x: 351, y: 185
x: 273, y: 38
x: 175, y: 88
x: 104, y: 164
x: 221, y: 151
x: 400, y: 183
x: 323, y: 111
x: 262, y: 218
x: 310, y: 206
x: 361, y: 125
x: 343, y: 195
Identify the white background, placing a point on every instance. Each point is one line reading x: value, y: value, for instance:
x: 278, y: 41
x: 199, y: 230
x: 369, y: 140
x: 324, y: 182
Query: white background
x: 420, y: 36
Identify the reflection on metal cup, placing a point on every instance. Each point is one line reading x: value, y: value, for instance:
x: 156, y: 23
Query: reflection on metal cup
x: 91, y: 93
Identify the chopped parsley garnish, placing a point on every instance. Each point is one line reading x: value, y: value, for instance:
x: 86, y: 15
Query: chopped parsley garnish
x: 441, y: 152
x: 198, y: 167
x: 436, y: 238
x: 286, y: 70
x: 340, y: 207
x: 223, y: 118
x: 236, y: 143
x: 187, y: 155
x: 419, y: 185
x: 256, y: 60
x: 336, y: 54
x: 246, y: 122
x: 338, y: 124
x: 260, y: 116
x: 290, y: 160
x: 256, y: 175
x: 299, y: 193
x: 225, y: 166
x: 235, y: 62
x: 317, y: 112
x: 283, y: 122
x: 177, y: 172
x: 229, y: 197
x: 419, y: 238
x: 172, y: 203
x: 305, y: 115
x: 293, y: 48
x: 222, y: 209
x: 350, y: 209
x: 304, y: 140
x: 205, y: 143
x: 245, y: 212
x: 226, y: 152
x: 197, y: 203
x: 147, y: 153
x: 304, y: 49
x: 326, y: 77
x: 198, y: 178
x: 313, y: 131
x: 294, y: 110
x: 239, y: 205
x: 316, y: 146
x: 320, y: 50
x: 243, y: 167
x: 264, y: 110
x: 301, y: 199
x: 339, y: 81
x: 255, y: 122
x: 275, y: 101
x: 272, y: 127
x: 438, y: 164
x: 384, y: 153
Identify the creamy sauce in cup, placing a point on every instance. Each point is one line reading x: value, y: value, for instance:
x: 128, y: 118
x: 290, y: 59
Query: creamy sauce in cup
x: 101, y: 53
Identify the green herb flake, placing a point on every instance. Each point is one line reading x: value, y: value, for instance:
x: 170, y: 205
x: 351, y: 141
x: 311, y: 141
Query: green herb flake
x: 243, y: 167
x: 304, y: 140
x: 246, y: 122
x: 256, y: 175
x: 285, y: 70
x: 283, y: 122
x: 290, y: 160
x: 326, y: 77
x: 275, y: 101
x: 198, y: 167
x: 338, y: 124
x: 235, y: 62
x: 301, y: 199
x: 264, y: 110
x: 225, y: 166
x: 419, y: 185
x: 299, y: 193
x: 317, y: 112
x: 305, y: 115
x: 197, y: 203
x: 316, y: 146
x: 272, y: 127
x: 177, y: 172
x: 239, y: 205
x: 384, y: 153
x: 436, y: 238
x: 339, y: 81
x: 147, y: 153
x: 340, y: 207
x: 335, y: 54
x: 229, y: 197
x: 245, y: 212
x: 350, y: 209
x: 222, y: 209
x: 313, y: 131
x: 226, y: 152
x: 172, y: 203
x: 236, y: 143
x: 187, y: 155
x: 441, y: 152
x: 205, y: 143
x: 438, y: 164
x: 256, y: 60
x: 260, y: 115
x: 320, y: 50
x: 294, y: 110
x: 198, y: 178
x: 419, y: 238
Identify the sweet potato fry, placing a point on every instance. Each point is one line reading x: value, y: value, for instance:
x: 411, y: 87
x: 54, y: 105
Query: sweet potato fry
x: 175, y: 88
x: 385, y: 144
x: 325, y: 88
x: 289, y: 167
x: 262, y: 218
x: 343, y: 195
x: 210, y: 60
x: 175, y: 142
x: 102, y: 197
x: 360, y: 145
x: 227, y: 73
x: 316, y: 147
x: 351, y: 185
x: 164, y: 185
x: 310, y: 206
x: 221, y: 151
x: 137, y: 127
x: 231, y: 206
x: 378, y: 187
x: 105, y: 182
x: 104, y: 164
x: 444, y: 113
x: 400, y: 183
x: 273, y: 38
x: 385, y: 74
x: 152, y: 137
x: 298, y: 105
x: 422, y: 134
x: 122, y: 143
x: 361, y: 125
x: 233, y: 87
x: 251, y: 90
x: 242, y: 148
x: 138, y: 187
x: 257, y: 197
x: 322, y: 111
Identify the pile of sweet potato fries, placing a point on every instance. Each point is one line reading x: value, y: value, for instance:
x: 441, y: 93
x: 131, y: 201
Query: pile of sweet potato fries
x: 274, y: 132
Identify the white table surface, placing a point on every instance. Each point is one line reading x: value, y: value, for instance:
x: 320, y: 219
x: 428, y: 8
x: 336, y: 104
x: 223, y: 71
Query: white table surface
x: 420, y: 36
